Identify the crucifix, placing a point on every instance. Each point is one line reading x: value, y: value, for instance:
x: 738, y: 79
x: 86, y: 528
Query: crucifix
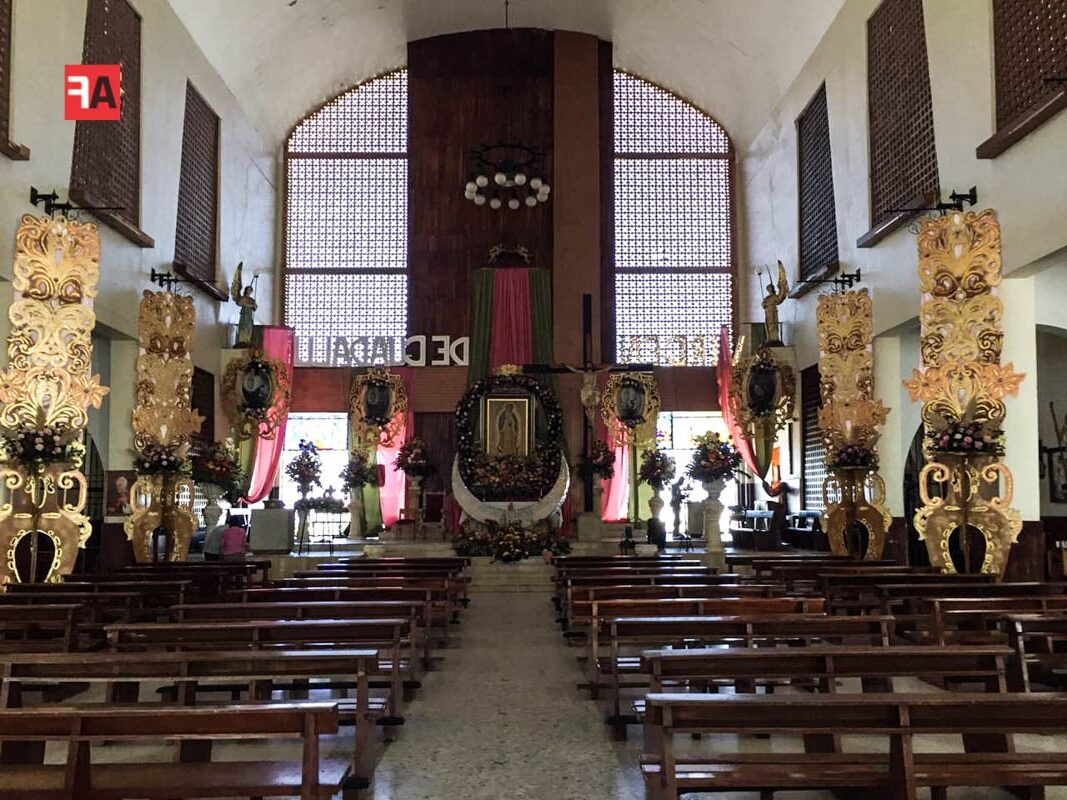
x: 590, y: 394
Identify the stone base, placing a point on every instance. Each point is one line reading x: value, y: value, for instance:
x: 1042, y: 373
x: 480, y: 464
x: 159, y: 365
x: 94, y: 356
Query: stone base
x: 529, y: 575
x: 589, y: 527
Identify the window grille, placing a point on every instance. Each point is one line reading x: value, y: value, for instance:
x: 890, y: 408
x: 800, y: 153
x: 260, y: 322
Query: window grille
x: 817, y: 217
x: 674, y: 274
x: 814, y: 465
x: 1029, y: 46
x: 106, y: 168
x: 196, y: 235
x: 903, y: 159
x: 346, y: 218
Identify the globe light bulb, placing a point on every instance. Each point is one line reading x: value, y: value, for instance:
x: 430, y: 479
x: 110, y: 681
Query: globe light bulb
x: 494, y: 203
x: 535, y: 183
x: 531, y: 201
x: 513, y: 203
x: 500, y: 178
x: 520, y: 179
x: 481, y: 181
x: 545, y: 189
x: 471, y: 186
x: 479, y: 199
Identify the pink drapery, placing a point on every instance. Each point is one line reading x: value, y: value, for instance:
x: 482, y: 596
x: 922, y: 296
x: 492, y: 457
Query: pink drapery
x: 511, y: 338
x: 277, y: 343
x: 391, y: 492
x: 724, y: 373
x: 614, y: 502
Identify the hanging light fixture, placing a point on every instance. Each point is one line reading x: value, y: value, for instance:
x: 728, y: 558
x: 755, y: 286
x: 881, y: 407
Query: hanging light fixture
x: 507, y: 176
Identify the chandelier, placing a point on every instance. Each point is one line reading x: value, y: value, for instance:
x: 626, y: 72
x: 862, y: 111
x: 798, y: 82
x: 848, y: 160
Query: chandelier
x: 507, y: 175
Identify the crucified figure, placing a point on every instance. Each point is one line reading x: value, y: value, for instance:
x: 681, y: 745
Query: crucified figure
x: 590, y: 394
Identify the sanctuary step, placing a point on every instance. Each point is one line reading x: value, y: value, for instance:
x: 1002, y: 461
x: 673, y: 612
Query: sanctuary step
x: 530, y: 575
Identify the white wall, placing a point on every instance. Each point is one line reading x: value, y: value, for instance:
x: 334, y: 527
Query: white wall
x: 1027, y: 185
x: 48, y: 34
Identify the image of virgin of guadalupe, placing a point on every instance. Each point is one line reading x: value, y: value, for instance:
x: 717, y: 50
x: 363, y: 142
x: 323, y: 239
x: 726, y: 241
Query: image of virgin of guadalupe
x: 377, y: 399
x: 256, y: 389
x: 507, y: 431
x: 630, y: 403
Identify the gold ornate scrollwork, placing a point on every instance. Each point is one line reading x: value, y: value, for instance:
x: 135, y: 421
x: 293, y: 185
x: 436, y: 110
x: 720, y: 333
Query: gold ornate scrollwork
x: 256, y: 394
x: 634, y: 426
x: 48, y: 383
x: 762, y: 398
x: 963, y: 381
x: 382, y: 395
x: 163, y: 417
x: 851, y: 421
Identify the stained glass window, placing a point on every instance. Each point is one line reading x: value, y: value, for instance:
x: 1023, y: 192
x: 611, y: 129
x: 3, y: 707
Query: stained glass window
x: 674, y: 274
x: 346, y: 219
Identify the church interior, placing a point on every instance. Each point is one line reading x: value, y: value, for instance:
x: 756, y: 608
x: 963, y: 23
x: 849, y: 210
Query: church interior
x: 616, y: 399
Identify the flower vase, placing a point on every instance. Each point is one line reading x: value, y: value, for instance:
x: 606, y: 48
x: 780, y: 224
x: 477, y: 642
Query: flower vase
x: 212, y: 511
x: 598, y: 499
x: 356, y: 506
x: 302, y: 526
x: 712, y: 514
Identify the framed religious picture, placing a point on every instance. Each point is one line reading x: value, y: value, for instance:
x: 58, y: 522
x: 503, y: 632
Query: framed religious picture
x: 1057, y: 474
x: 507, y: 426
x: 117, y: 485
x: 630, y: 400
x: 257, y: 387
x: 256, y: 393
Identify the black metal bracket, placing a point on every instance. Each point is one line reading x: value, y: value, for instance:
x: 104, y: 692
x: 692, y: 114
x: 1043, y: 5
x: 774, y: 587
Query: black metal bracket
x: 841, y: 282
x: 52, y: 204
x: 166, y: 280
x: 955, y: 203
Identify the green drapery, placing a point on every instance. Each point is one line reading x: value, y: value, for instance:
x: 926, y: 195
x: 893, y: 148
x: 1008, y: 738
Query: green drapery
x: 481, y: 326
x: 372, y: 504
x: 541, y: 315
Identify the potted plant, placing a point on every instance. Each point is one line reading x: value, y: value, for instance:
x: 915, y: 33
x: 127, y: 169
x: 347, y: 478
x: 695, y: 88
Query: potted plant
x: 305, y: 471
x: 356, y: 474
x: 217, y: 471
x: 657, y: 470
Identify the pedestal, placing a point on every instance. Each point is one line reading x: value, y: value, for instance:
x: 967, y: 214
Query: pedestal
x: 712, y: 533
x: 356, y: 529
x: 212, y: 511
x: 271, y: 531
x: 411, y: 497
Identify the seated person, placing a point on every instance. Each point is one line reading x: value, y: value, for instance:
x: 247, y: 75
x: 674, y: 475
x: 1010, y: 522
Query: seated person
x: 234, y: 539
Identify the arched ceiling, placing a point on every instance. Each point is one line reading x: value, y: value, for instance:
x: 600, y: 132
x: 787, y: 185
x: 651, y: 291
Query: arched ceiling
x: 733, y: 58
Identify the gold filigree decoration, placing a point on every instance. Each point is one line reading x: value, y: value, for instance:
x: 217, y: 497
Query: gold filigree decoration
x: 366, y: 396
x: 163, y: 417
x: 962, y: 380
x: 850, y: 417
x: 762, y: 398
x: 635, y: 427
x: 256, y: 394
x: 48, y: 382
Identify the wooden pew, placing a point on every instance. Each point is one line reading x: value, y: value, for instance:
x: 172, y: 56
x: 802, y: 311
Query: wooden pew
x: 102, y: 606
x: 258, y: 569
x: 850, y: 592
x: 41, y: 628
x: 1040, y: 645
x: 416, y: 611
x: 454, y: 591
x: 766, y: 631
x: 154, y: 593
x: 262, y: 672
x: 212, y: 579
x: 310, y: 777
x: 903, y: 599
x: 975, y: 620
x: 392, y: 636
x: 807, y: 576
x: 647, y: 565
x: 898, y: 773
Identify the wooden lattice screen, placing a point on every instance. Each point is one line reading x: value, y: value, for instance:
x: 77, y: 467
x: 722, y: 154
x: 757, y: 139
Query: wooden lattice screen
x: 196, y: 235
x: 818, y: 216
x: 903, y: 157
x: 106, y: 168
x: 674, y: 255
x: 1029, y: 47
x: 5, y: 70
x: 814, y: 462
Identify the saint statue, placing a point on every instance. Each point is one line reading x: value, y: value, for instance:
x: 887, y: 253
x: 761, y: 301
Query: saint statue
x: 774, y: 298
x: 246, y: 301
x: 507, y: 429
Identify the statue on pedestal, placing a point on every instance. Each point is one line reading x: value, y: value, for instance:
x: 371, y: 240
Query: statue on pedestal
x: 774, y: 298
x: 246, y: 301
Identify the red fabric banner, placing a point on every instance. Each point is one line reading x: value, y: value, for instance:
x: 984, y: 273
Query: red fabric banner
x: 724, y: 374
x: 277, y: 343
x: 511, y: 339
x: 391, y: 492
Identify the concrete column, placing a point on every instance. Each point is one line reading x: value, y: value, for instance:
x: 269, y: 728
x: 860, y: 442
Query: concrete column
x: 122, y: 399
x: 1021, y: 424
x: 893, y: 446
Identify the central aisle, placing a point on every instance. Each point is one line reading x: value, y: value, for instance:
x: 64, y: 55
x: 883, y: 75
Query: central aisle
x: 501, y: 718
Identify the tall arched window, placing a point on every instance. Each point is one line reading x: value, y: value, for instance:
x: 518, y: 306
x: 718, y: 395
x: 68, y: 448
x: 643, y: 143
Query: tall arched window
x: 346, y: 234
x: 674, y: 255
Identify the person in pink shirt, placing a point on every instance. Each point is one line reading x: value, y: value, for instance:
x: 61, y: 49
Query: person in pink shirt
x: 234, y: 540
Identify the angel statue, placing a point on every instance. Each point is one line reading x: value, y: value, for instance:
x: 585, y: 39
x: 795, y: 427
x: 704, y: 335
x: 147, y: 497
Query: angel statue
x: 774, y: 298
x: 245, y: 299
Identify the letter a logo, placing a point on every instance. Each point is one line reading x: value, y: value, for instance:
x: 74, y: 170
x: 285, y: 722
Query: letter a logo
x: 92, y: 92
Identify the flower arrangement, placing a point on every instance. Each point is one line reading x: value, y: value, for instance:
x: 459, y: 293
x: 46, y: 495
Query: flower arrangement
x: 36, y: 447
x: 852, y: 455
x: 509, y: 542
x: 358, y: 472
x: 322, y: 505
x: 961, y: 436
x: 509, y: 477
x: 547, y: 452
x: 603, y: 460
x: 714, y: 459
x: 161, y: 459
x: 413, y: 458
x: 218, y: 464
x: 657, y: 469
x: 305, y: 470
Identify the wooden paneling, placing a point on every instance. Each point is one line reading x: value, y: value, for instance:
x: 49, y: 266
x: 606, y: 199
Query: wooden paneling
x: 465, y: 90
x: 688, y: 388
x: 320, y: 389
x: 438, y: 430
x: 437, y: 388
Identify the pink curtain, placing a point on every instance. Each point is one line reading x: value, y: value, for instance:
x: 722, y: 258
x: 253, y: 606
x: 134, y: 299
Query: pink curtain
x: 511, y: 339
x: 391, y: 492
x: 277, y: 343
x: 614, y: 502
x: 724, y: 373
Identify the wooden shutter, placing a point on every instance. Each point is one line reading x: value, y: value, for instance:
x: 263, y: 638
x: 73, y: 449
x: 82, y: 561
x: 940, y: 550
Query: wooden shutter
x: 203, y: 400
x: 817, y: 214
x: 196, y: 234
x: 106, y: 168
x: 814, y: 463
